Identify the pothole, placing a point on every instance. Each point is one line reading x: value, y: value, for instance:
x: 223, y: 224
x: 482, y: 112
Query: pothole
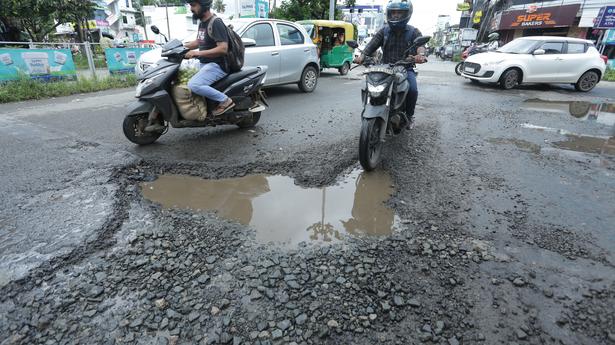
x: 282, y: 212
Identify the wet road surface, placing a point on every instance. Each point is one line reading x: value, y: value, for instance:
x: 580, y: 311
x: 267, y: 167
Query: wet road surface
x: 501, y: 220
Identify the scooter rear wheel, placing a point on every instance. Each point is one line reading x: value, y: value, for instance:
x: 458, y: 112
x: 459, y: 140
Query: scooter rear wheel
x: 250, y: 122
x: 370, y: 146
x: 134, y: 130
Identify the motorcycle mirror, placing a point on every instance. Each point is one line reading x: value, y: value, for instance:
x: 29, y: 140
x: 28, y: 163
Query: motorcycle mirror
x: 248, y: 42
x: 352, y: 44
x: 422, y: 40
x: 155, y: 29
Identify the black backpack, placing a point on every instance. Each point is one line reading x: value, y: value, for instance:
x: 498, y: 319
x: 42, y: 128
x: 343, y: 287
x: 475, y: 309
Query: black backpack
x: 236, y: 50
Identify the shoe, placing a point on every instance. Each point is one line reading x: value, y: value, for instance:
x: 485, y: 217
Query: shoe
x: 223, y: 107
x: 410, y: 123
x: 154, y: 127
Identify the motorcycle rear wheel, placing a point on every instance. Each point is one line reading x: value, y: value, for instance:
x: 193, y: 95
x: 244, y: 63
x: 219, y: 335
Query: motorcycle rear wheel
x: 370, y: 146
x: 134, y: 130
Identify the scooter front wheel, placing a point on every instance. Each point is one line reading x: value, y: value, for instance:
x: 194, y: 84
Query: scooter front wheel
x: 370, y: 146
x: 134, y: 130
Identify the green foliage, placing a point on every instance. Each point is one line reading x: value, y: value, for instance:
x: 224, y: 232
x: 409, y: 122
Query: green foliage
x: 609, y: 75
x: 219, y: 6
x: 26, y: 88
x: 294, y: 10
x: 40, y: 17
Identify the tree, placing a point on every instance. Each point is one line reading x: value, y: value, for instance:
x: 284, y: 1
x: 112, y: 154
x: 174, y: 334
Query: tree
x: 39, y: 18
x: 219, y: 6
x: 294, y: 10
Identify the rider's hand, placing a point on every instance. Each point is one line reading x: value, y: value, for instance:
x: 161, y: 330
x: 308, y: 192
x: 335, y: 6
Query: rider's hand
x: 411, y: 59
x: 420, y: 59
x: 358, y: 60
x: 191, y: 54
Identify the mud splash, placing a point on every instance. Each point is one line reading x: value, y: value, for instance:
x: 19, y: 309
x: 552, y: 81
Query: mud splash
x: 281, y: 211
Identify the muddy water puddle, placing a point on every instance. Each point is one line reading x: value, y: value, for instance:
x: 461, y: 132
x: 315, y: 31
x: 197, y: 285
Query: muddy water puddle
x: 281, y: 211
x: 599, y: 112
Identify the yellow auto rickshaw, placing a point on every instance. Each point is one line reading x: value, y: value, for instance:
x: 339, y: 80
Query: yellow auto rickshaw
x: 331, y: 38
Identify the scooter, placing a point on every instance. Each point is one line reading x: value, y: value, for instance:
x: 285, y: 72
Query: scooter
x: 154, y: 92
x: 384, y: 103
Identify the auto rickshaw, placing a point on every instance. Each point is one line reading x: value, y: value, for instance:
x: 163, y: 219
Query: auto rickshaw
x: 331, y: 38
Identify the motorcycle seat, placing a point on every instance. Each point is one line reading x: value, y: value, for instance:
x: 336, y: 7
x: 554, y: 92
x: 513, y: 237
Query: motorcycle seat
x: 225, y: 82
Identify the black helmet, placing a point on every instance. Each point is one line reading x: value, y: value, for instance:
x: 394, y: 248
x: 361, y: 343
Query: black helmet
x: 205, y: 6
x: 493, y: 37
x: 399, y: 22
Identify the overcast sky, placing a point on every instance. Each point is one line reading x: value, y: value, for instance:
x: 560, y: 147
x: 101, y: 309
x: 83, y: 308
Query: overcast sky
x: 426, y: 13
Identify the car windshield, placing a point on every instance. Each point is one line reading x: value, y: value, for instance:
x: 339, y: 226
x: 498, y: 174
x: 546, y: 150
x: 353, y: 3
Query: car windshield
x: 237, y: 25
x: 519, y: 46
x: 309, y: 28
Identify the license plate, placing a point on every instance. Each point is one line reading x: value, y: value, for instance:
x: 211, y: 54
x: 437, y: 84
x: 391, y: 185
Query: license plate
x: 469, y: 69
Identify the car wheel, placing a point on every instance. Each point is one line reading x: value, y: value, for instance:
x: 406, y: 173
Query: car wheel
x: 309, y: 79
x: 345, y: 68
x: 510, y: 79
x: 587, y: 81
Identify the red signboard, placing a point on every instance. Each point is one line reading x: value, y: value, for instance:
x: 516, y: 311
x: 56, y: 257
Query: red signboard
x: 546, y: 17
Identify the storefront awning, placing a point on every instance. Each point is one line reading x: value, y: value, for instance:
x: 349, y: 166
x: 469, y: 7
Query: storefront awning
x: 545, y: 17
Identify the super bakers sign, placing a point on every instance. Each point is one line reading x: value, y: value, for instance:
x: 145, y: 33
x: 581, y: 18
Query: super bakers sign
x: 546, y: 17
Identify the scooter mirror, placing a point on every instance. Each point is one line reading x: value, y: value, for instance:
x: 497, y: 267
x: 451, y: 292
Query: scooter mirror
x: 421, y: 40
x: 155, y: 29
x: 352, y: 44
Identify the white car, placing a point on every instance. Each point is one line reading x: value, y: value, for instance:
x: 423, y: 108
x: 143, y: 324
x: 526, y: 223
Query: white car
x: 539, y: 59
x: 281, y: 45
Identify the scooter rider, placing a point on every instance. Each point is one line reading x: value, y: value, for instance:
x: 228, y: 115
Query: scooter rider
x: 494, y: 41
x: 401, y: 35
x: 211, y: 53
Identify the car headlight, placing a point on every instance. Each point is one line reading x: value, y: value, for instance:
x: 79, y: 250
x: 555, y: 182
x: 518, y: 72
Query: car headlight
x: 376, y: 88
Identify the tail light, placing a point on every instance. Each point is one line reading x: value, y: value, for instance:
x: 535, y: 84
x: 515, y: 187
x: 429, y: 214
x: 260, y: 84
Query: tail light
x: 605, y: 58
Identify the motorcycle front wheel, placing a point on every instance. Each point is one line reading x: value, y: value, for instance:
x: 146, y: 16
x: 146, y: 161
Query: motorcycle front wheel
x: 134, y: 130
x: 370, y: 146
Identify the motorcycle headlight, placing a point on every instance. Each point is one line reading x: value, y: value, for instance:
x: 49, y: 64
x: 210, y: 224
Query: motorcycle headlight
x: 376, y: 88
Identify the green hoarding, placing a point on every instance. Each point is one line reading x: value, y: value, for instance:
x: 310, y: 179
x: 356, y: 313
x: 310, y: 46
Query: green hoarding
x: 46, y: 64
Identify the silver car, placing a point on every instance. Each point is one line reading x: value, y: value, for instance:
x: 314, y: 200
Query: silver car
x: 281, y: 45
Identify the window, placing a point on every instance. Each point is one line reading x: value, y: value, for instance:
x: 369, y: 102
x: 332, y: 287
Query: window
x: 576, y: 48
x: 553, y: 47
x: 289, y: 35
x: 124, y: 20
x: 262, y: 34
x: 127, y: 3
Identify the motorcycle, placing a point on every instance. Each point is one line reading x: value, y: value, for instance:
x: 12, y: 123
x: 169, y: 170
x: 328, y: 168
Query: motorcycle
x: 384, y: 103
x: 155, y: 100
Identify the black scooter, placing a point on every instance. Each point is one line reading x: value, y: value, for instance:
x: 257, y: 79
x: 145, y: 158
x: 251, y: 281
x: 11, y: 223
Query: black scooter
x: 384, y: 104
x: 155, y: 100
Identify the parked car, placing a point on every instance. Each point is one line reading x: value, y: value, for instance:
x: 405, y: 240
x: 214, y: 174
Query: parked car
x: 539, y: 59
x: 281, y: 45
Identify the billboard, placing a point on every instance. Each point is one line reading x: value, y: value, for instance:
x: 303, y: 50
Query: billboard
x: 46, y: 64
x: 123, y: 60
x: 605, y: 18
x: 546, y: 17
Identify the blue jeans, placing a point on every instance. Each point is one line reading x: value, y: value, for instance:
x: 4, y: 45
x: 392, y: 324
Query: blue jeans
x: 206, y: 76
x: 413, y: 93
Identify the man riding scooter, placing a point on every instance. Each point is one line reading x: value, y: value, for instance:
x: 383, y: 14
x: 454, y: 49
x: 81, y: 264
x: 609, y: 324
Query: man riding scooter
x: 395, y: 40
x: 212, y: 51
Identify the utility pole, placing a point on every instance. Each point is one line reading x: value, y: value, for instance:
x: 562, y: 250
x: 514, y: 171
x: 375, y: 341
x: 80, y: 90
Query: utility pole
x: 331, y: 9
x: 166, y: 7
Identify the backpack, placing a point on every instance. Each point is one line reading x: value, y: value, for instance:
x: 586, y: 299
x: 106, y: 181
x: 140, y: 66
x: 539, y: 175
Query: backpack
x: 236, y: 50
x: 410, y: 35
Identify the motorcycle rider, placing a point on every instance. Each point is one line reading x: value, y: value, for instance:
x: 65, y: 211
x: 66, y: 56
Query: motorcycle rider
x: 401, y: 36
x: 211, y: 54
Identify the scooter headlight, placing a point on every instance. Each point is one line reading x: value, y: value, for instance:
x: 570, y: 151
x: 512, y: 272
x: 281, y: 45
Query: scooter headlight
x: 145, y: 83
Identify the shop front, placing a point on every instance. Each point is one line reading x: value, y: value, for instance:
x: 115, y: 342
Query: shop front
x: 545, y: 21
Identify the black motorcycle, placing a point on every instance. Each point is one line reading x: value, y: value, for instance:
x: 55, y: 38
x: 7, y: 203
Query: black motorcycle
x: 384, y: 104
x: 154, y: 92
